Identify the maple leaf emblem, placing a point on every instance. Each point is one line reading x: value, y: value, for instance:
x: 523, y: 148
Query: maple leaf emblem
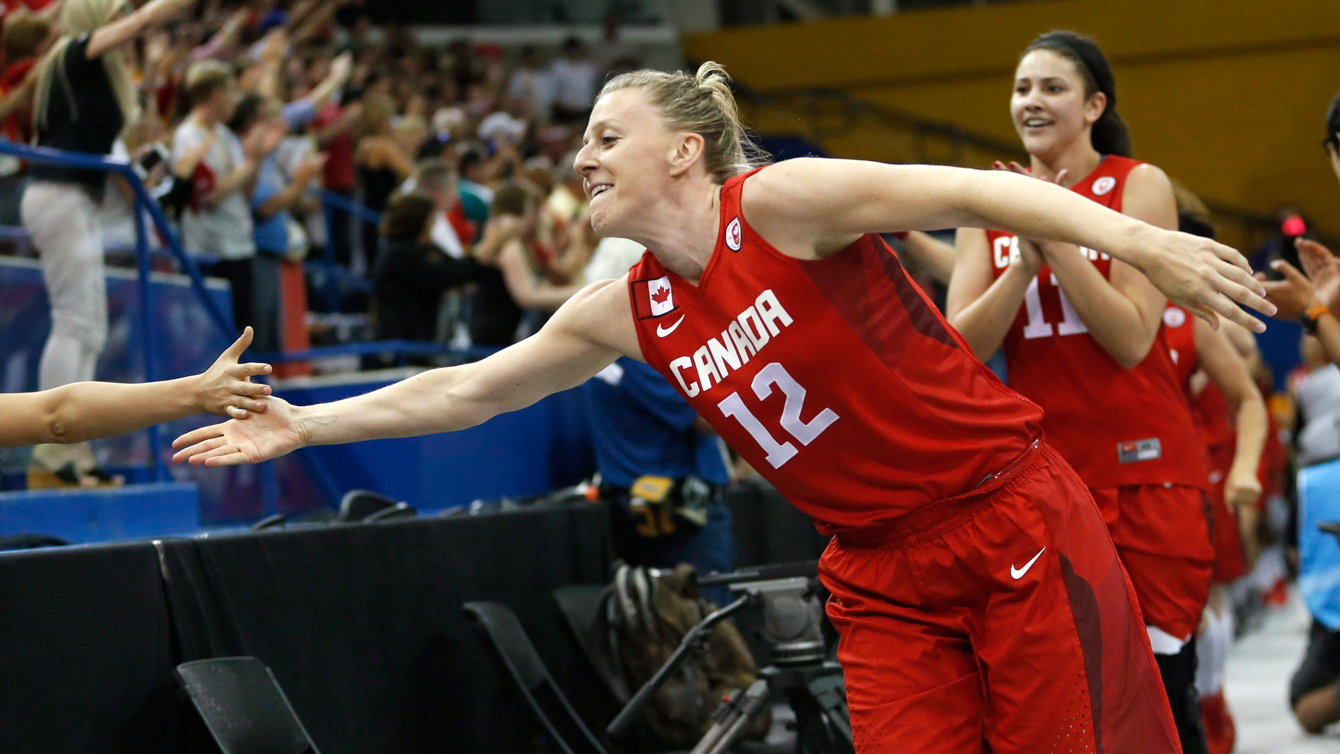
x: 660, y: 295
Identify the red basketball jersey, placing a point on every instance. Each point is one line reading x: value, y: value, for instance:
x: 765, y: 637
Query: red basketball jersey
x: 1209, y: 408
x: 836, y: 379
x: 1116, y: 426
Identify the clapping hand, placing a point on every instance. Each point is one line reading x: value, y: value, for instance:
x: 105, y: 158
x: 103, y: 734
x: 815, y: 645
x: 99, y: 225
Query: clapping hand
x: 1322, y: 268
x: 1294, y: 295
x: 1030, y: 256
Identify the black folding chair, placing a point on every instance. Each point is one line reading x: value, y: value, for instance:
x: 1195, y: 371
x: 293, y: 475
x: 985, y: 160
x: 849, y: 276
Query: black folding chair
x: 244, y: 707
x: 369, y: 506
x: 582, y: 609
x: 516, y: 655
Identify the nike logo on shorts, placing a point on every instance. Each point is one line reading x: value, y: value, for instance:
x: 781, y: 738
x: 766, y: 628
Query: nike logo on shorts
x: 1018, y: 573
x: 663, y: 331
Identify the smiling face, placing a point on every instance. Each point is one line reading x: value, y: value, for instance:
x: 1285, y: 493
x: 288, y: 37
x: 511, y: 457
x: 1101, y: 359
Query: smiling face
x: 1049, y: 107
x: 625, y: 161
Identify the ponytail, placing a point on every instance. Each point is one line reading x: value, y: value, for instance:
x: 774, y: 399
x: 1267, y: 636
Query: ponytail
x: 1109, y: 134
x: 703, y: 104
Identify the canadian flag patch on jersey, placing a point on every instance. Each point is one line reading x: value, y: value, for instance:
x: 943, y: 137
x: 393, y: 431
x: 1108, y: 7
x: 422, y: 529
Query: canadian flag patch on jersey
x: 654, y: 297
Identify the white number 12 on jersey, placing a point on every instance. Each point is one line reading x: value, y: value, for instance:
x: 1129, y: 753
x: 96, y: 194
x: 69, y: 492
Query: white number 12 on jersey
x: 778, y: 452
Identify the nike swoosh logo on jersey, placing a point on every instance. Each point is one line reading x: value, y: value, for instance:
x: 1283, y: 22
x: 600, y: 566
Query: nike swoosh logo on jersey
x: 1018, y: 573
x: 663, y: 331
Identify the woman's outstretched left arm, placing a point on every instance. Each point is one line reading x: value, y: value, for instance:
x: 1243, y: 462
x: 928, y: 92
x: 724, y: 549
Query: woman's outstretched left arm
x: 813, y: 207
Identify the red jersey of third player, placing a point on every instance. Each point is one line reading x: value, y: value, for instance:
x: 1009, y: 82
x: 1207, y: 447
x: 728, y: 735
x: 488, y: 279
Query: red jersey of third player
x: 836, y: 379
x: 1209, y: 408
x: 1117, y: 427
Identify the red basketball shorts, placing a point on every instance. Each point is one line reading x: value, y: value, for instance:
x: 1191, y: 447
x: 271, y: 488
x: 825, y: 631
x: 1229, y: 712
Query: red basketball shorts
x: 1163, y: 534
x: 996, y: 621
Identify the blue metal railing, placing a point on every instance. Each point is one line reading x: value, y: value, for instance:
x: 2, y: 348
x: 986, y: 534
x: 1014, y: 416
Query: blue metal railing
x: 144, y: 202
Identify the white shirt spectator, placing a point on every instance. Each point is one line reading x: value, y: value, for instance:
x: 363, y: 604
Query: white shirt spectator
x: 223, y: 230
x: 536, y: 87
x: 1318, y: 394
x: 574, y: 83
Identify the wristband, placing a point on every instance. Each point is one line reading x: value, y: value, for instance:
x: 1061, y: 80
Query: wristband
x: 1310, y: 317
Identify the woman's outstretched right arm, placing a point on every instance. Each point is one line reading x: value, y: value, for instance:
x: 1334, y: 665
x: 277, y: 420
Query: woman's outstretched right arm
x: 583, y: 337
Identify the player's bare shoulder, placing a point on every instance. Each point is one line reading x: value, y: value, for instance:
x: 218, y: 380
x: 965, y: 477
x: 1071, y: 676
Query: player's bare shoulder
x: 601, y: 313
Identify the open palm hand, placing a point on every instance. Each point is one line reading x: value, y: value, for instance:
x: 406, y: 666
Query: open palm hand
x: 249, y: 439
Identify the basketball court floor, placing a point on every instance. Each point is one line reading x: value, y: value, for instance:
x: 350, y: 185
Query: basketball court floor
x: 1257, y: 687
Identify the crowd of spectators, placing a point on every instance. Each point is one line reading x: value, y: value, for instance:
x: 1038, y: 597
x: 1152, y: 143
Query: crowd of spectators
x: 272, y: 133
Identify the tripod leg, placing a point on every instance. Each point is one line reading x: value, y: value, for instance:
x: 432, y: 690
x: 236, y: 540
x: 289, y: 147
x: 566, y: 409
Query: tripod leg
x: 822, y: 725
x: 728, y: 727
x: 831, y: 695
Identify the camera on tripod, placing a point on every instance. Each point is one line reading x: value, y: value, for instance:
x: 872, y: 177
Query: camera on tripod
x: 787, y: 598
x: 792, y: 617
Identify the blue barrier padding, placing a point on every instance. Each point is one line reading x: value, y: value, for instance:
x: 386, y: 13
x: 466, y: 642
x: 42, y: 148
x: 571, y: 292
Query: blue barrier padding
x: 401, y: 347
x: 105, y: 514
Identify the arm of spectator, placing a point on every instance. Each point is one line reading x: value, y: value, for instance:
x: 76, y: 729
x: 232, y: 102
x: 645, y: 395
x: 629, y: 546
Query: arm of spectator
x: 340, y: 125
x: 391, y: 155
x: 1229, y: 372
x: 50, y: 12
x: 260, y: 142
x: 930, y: 255
x: 190, y: 155
x: 301, y: 10
x: 338, y: 77
x: 295, y: 190
x: 498, y: 231
x: 276, y: 45
x: 579, y: 243
x: 89, y: 410
x: 521, y: 284
x: 19, y: 97
x: 151, y: 15
x: 314, y: 22
x: 224, y: 42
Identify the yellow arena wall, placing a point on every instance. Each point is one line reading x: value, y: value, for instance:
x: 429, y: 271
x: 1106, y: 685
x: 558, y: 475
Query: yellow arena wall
x: 1228, y: 97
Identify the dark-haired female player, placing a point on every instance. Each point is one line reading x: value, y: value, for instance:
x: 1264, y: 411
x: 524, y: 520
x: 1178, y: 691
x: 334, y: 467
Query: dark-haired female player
x: 979, y: 598
x: 1082, y: 333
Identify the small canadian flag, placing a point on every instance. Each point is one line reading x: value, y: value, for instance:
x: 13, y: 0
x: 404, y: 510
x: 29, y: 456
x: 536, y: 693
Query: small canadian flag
x: 661, y: 299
